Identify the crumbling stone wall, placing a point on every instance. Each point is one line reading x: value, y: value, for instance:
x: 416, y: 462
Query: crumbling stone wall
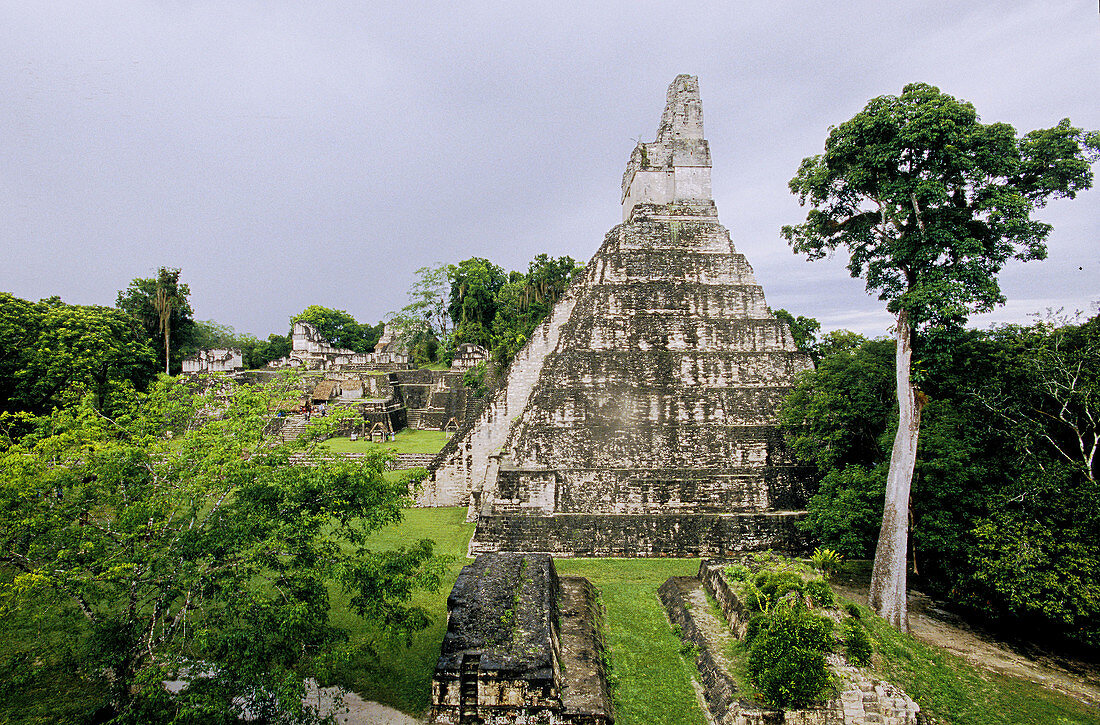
x: 214, y: 360
x: 863, y: 700
x: 433, y: 398
x: 503, y: 658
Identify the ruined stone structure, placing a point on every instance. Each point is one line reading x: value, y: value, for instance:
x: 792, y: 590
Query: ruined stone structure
x: 469, y: 355
x: 311, y: 351
x: 434, y: 399
x: 522, y: 646
x: 862, y: 700
x: 639, y: 420
x: 214, y: 360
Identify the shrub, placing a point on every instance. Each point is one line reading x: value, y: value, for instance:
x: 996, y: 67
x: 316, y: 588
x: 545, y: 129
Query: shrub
x: 753, y: 627
x: 737, y: 573
x: 787, y: 657
x: 857, y: 643
x: 826, y: 560
x: 820, y: 592
x: 768, y: 587
x: 474, y: 379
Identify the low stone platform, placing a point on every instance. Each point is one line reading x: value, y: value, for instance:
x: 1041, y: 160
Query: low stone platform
x: 862, y: 699
x: 522, y: 646
x: 631, y: 535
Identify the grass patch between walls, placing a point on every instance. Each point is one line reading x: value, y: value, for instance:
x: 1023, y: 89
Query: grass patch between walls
x: 407, y: 440
x: 654, y: 680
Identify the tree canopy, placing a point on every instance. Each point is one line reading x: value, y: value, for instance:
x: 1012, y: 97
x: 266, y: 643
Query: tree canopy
x: 930, y: 204
x: 51, y: 352
x: 475, y: 283
x: 340, y: 328
x: 188, y: 546
x: 1005, y: 500
x: 423, y: 325
x: 140, y: 301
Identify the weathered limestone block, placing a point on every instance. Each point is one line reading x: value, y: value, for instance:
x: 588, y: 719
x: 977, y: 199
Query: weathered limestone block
x: 522, y: 646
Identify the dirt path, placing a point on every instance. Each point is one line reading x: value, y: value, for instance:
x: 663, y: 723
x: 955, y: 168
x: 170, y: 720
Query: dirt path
x: 933, y: 626
x: 354, y: 710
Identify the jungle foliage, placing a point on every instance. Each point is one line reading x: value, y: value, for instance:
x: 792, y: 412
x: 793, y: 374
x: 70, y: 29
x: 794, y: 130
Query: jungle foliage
x: 52, y: 353
x: 1005, y: 502
x: 176, y: 542
x: 483, y: 305
x: 930, y: 203
x: 340, y: 328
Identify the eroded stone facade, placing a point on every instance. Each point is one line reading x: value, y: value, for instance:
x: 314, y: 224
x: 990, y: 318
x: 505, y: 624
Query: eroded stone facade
x: 312, y: 351
x: 522, y: 646
x: 640, y: 419
x: 214, y: 360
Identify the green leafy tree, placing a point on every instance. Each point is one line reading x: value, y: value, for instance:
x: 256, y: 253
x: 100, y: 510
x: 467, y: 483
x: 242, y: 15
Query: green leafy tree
x: 475, y: 283
x: 188, y: 546
x: 208, y: 334
x: 423, y: 325
x: 525, y: 301
x: 53, y: 351
x: 258, y: 353
x: 165, y: 301
x: 1034, y: 553
x: 1003, y: 508
x: 930, y: 204
x: 340, y: 328
x: 147, y: 299
x: 803, y: 329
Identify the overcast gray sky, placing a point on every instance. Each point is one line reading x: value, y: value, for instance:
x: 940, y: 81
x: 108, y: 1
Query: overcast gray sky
x: 287, y: 154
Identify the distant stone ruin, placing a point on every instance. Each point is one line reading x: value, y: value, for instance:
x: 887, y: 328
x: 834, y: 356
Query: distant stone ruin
x: 469, y: 355
x: 640, y: 418
x: 522, y: 646
x: 311, y: 351
x: 214, y: 360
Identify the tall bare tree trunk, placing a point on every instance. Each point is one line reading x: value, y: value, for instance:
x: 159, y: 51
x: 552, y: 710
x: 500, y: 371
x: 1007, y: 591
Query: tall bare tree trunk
x: 887, y: 593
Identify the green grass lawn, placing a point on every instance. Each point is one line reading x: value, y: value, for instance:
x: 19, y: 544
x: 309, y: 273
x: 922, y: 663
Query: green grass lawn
x: 653, y: 677
x: 400, y: 675
x: 406, y: 441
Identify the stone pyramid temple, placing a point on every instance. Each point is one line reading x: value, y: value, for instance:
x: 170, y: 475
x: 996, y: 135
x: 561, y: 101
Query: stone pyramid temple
x: 640, y: 419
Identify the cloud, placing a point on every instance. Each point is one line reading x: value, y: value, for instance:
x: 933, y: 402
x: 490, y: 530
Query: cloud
x: 292, y: 154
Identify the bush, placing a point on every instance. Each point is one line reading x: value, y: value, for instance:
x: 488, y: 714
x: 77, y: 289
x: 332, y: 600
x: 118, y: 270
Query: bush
x: 737, y: 573
x: 826, y: 560
x: 768, y: 587
x: 857, y: 643
x: 752, y: 628
x: 474, y: 379
x: 787, y: 657
x: 820, y: 592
